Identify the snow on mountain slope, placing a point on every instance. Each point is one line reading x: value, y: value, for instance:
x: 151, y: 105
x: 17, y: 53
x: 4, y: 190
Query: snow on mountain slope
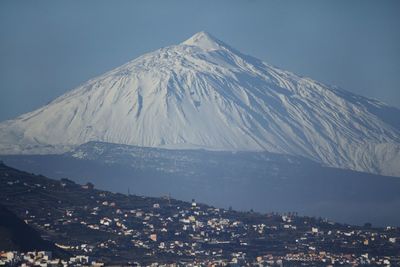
x: 204, y: 94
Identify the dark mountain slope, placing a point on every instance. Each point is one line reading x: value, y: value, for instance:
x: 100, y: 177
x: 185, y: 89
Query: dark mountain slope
x: 15, y: 234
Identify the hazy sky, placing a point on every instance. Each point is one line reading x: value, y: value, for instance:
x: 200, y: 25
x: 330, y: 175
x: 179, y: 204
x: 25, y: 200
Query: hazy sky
x: 49, y: 47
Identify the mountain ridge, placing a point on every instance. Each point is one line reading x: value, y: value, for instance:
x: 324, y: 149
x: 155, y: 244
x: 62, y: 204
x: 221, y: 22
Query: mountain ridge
x: 244, y: 180
x: 202, y: 93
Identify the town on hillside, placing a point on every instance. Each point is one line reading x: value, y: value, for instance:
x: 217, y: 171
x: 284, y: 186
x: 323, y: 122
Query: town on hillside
x: 96, y: 227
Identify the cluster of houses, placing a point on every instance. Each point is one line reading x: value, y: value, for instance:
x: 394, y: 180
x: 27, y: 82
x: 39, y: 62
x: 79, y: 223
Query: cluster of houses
x: 43, y: 259
x: 207, y: 235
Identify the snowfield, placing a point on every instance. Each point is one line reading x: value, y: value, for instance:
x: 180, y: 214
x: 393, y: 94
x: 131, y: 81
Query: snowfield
x: 204, y: 94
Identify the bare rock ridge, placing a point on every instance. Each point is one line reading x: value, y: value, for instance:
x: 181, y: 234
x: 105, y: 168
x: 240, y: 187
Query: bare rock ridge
x: 204, y: 94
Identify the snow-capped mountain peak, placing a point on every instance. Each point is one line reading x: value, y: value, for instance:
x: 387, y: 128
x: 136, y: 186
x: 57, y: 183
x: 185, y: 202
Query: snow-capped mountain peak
x: 204, y: 94
x: 205, y: 41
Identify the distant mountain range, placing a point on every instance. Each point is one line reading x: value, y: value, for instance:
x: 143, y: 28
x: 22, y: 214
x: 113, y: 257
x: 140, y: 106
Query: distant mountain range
x: 204, y: 94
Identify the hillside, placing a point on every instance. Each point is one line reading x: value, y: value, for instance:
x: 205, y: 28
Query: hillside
x: 126, y: 229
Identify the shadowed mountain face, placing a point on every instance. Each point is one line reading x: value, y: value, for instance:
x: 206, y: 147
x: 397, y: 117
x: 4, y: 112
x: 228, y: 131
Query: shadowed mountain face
x: 261, y: 181
x: 15, y: 234
x: 204, y: 94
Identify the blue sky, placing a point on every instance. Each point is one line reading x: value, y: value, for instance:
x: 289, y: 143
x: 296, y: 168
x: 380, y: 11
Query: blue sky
x: 49, y: 47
